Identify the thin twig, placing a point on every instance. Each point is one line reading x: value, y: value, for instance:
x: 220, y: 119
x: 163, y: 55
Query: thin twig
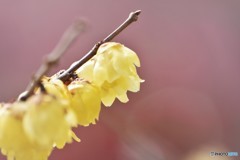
x: 65, y: 76
x: 65, y: 42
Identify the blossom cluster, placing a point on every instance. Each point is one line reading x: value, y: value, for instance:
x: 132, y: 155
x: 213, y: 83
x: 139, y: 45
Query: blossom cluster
x: 29, y: 130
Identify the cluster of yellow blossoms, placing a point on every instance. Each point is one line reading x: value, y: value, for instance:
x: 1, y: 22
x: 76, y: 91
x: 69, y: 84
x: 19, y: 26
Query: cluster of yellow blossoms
x: 30, y: 129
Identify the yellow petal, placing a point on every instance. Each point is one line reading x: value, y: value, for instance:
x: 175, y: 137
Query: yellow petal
x: 86, y: 101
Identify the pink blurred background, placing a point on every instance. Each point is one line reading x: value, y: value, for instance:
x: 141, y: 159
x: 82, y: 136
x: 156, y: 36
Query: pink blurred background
x: 189, y: 104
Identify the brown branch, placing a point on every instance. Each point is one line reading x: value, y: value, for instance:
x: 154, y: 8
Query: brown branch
x: 65, y: 76
x: 67, y: 39
x: 65, y: 42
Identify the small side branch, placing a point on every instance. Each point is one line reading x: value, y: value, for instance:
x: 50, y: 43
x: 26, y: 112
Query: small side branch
x: 65, y: 76
x: 52, y: 59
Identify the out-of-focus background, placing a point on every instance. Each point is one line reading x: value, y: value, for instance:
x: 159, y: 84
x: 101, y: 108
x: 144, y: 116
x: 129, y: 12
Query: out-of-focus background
x: 189, y: 105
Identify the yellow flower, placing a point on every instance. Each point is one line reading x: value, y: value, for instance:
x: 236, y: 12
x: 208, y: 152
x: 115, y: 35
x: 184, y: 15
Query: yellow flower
x: 48, y: 121
x: 56, y: 87
x: 118, y: 89
x: 14, y: 142
x: 113, y: 70
x: 86, y: 101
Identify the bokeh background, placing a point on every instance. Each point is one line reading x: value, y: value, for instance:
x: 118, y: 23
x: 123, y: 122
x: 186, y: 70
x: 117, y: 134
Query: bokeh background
x: 189, y: 104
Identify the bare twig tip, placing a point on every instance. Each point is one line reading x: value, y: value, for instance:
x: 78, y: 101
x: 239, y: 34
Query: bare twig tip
x: 79, y: 24
x: 134, y: 15
x: 137, y: 12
